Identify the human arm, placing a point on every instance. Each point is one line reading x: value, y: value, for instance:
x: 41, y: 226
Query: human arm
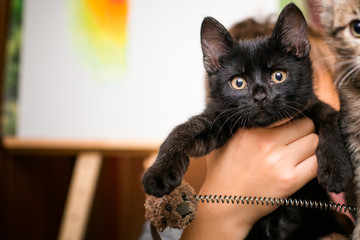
x: 272, y: 162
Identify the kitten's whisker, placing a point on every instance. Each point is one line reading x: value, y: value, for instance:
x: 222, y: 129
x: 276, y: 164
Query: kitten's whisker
x: 353, y: 70
x: 286, y: 114
x: 248, y: 120
x: 230, y: 117
x: 354, y: 76
x: 234, y: 125
x: 233, y: 117
x: 342, y: 71
x: 344, y: 62
x: 243, y: 120
x: 353, y: 62
x: 337, y: 57
x: 340, y: 65
x: 222, y: 113
x: 281, y: 117
x: 348, y: 59
x: 301, y: 107
x: 294, y: 111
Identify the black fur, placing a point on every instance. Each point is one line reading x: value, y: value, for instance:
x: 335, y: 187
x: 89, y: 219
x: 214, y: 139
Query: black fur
x: 261, y: 103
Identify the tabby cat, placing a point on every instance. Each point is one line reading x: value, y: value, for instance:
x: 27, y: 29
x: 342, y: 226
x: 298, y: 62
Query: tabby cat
x: 255, y: 83
x: 341, y: 21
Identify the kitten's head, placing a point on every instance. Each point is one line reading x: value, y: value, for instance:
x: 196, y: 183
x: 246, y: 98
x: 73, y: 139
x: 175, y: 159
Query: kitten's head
x: 341, y: 22
x: 259, y: 81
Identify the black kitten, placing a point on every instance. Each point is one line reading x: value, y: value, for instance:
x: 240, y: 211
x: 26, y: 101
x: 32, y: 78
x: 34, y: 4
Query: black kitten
x: 255, y: 83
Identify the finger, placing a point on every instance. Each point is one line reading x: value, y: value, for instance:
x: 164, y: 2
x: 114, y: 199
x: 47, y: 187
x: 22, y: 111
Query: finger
x: 306, y: 171
x: 293, y: 130
x: 302, y: 148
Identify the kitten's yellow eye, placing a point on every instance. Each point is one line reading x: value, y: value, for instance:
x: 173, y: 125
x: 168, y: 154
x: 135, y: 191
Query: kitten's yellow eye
x: 278, y: 76
x: 355, y: 28
x: 238, y: 83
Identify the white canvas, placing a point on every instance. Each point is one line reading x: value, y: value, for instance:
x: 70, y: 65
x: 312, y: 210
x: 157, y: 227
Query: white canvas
x: 163, y: 84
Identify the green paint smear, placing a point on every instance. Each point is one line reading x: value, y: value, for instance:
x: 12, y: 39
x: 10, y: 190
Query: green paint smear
x: 11, y: 74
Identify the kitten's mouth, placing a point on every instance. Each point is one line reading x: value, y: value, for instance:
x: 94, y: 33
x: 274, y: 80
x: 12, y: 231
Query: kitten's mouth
x: 264, y: 119
x: 263, y: 112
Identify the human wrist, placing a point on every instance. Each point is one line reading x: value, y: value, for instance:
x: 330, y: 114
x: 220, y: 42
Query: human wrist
x: 221, y: 220
x: 217, y: 221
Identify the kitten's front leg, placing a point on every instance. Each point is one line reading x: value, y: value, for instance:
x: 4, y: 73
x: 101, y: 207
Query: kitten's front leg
x: 194, y: 138
x: 334, y: 166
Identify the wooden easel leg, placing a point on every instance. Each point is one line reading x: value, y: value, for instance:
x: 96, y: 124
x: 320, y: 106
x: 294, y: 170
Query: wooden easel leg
x: 80, y: 196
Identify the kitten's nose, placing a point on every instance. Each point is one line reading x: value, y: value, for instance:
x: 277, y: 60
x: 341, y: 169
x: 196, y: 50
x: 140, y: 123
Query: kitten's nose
x: 260, y: 98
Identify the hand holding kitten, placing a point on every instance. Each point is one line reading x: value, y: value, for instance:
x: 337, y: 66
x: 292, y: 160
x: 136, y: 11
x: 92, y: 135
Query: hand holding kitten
x: 273, y: 162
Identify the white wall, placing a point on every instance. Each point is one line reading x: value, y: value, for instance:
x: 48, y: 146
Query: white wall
x: 61, y: 98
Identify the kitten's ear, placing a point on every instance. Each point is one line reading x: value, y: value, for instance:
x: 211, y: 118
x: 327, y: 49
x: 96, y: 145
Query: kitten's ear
x: 216, y: 42
x: 291, y: 31
x: 327, y: 14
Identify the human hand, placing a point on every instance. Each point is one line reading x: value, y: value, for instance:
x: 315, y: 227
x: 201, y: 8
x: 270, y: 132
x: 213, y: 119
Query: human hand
x: 272, y: 162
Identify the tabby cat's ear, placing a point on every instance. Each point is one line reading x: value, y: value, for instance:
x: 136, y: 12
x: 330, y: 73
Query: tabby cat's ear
x: 291, y: 31
x: 216, y: 42
x: 327, y: 14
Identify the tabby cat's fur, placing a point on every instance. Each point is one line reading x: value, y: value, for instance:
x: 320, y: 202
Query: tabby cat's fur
x: 341, y: 21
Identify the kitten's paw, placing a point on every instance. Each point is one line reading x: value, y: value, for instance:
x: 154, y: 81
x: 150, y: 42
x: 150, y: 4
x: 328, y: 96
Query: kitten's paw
x: 159, y: 183
x: 334, y: 170
x: 161, y: 179
x: 329, y: 182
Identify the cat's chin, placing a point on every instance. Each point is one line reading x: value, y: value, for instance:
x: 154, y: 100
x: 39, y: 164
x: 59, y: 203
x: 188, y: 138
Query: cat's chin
x: 264, y: 119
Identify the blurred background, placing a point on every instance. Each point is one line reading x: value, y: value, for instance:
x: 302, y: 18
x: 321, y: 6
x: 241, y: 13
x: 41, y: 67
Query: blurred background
x: 89, y: 89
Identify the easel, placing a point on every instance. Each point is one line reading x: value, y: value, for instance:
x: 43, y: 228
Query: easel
x: 80, y: 196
